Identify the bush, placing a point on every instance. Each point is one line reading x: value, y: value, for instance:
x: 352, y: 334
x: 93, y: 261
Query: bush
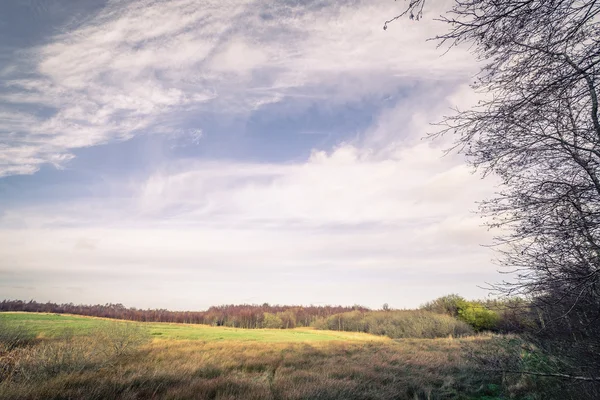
x: 528, y: 371
x: 397, y: 324
x: 478, y: 317
x: 117, y: 339
x: 508, y: 315
x: 50, y: 358
x: 67, y: 354
x: 515, y: 315
x: 449, y: 305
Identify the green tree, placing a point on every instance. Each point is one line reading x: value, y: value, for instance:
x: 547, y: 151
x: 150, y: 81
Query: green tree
x: 479, y: 317
x: 272, y: 321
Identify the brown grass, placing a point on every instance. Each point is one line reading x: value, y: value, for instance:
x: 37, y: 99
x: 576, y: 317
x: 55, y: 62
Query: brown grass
x: 404, y: 369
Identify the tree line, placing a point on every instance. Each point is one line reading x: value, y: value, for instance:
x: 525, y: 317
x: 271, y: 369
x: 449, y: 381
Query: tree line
x: 512, y: 315
x: 248, y: 316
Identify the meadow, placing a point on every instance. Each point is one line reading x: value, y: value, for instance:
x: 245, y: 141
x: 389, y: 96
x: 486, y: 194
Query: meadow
x: 46, y: 325
x: 68, y: 357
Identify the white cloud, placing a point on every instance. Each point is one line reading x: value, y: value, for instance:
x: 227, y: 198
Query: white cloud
x: 137, y: 63
x: 383, y: 206
x: 349, y: 217
x: 238, y: 57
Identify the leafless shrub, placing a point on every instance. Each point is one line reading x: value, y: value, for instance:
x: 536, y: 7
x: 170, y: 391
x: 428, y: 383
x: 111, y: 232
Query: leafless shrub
x: 69, y: 354
x: 526, y: 368
x: 51, y: 358
x: 117, y: 339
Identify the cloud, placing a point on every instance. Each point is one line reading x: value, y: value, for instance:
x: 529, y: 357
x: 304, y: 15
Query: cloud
x: 338, y: 223
x: 380, y: 212
x: 346, y: 186
x: 238, y: 57
x: 134, y: 67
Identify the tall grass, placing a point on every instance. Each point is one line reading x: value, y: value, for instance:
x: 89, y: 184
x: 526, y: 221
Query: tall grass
x: 14, y: 335
x: 397, y: 324
x: 121, y: 363
x: 28, y: 360
x: 407, y: 370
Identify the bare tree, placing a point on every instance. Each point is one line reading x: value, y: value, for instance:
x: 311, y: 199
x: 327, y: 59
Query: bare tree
x: 414, y: 10
x: 537, y: 129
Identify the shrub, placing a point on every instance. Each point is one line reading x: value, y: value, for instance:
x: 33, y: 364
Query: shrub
x: 397, y: 324
x: 515, y: 315
x: 50, y: 358
x: 479, y: 317
x: 528, y: 371
x: 67, y: 354
x: 449, y: 305
x: 475, y: 313
x: 116, y: 339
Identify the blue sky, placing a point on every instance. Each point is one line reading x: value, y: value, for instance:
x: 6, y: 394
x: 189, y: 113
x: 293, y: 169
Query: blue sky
x: 182, y: 154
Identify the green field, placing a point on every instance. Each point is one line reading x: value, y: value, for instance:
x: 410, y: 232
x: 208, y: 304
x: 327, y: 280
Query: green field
x: 56, y: 325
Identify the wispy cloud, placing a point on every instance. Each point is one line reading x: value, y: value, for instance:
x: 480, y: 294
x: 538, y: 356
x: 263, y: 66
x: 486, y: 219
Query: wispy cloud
x: 374, y: 210
x: 136, y: 66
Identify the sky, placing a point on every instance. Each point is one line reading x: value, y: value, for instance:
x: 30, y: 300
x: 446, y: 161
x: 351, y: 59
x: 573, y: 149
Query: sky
x: 188, y: 153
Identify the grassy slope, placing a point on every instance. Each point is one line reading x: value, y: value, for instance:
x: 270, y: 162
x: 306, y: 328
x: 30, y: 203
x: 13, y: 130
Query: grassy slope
x: 53, y: 325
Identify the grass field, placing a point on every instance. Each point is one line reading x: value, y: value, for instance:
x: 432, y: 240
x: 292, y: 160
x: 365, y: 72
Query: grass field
x: 55, y: 325
x: 203, y: 362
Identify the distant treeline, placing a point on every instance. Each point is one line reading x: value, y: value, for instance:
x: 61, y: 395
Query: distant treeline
x: 249, y: 316
x: 449, y: 314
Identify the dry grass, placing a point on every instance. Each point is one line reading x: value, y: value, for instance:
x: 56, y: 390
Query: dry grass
x: 404, y: 369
